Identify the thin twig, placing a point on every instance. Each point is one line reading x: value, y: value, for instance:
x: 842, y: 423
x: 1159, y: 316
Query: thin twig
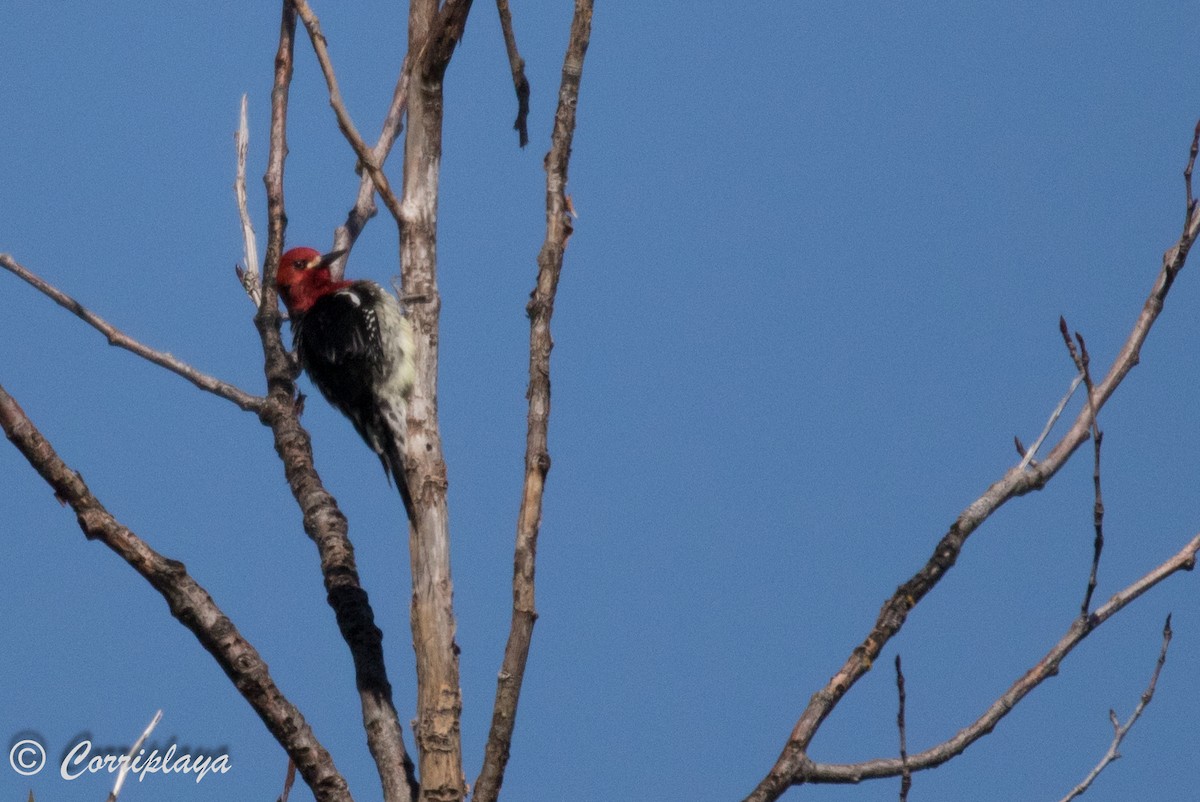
x: 189, y: 603
x: 133, y: 750
x: 537, y: 456
x: 1121, y: 730
x: 1187, y: 176
x: 1028, y: 454
x: 793, y: 765
x: 905, y: 772
x: 249, y: 273
x: 1083, y: 361
x: 248, y: 402
x: 288, y: 780
x: 517, y: 65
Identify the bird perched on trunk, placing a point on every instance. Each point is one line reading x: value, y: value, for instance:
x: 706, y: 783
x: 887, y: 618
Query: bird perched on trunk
x: 356, y: 345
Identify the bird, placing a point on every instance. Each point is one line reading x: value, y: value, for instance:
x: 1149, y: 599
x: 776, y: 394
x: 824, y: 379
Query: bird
x: 355, y: 343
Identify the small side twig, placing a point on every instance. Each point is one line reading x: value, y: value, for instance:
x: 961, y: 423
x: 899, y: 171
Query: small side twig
x: 1187, y: 177
x: 1027, y: 455
x: 133, y: 750
x: 248, y: 402
x: 248, y: 274
x: 288, y: 781
x: 517, y: 65
x: 1121, y: 730
x: 1082, y: 361
x: 905, y: 772
x: 1098, y: 503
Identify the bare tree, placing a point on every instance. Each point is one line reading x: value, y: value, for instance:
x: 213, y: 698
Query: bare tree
x: 438, y: 773
x: 434, y: 31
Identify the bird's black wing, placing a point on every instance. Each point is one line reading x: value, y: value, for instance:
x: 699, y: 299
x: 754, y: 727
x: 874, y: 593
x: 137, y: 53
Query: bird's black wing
x: 337, y: 341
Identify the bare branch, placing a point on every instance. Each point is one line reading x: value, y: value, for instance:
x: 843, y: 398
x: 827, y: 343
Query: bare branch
x: 1027, y: 455
x: 248, y: 402
x: 1121, y: 730
x: 248, y: 274
x: 345, y: 235
x: 133, y: 750
x: 1084, y: 362
x: 905, y: 771
x: 793, y: 765
x: 188, y: 602
x: 517, y: 65
x: 1187, y: 177
x: 365, y: 155
x: 324, y: 522
x: 537, y: 454
x: 1048, y: 666
x: 288, y: 780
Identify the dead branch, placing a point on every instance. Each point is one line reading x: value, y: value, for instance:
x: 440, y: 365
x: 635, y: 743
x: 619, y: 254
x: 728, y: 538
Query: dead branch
x: 1121, y: 730
x: 517, y: 65
x: 366, y: 156
x: 248, y: 274
x: 288, y: 780
x: 793, y: 765
x: 246, y: 401
x: 345, y: 235
x: 537, y: 454
x: 905, y: 771
x: 129, y: 755
x: 1027, y: 455
x: 188, y: 602
x: 1048, y: 666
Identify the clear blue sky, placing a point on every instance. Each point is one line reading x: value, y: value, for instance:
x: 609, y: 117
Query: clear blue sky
x: 812, y: 295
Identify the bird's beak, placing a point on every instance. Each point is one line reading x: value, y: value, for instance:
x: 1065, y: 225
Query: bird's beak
x: 330, y: 258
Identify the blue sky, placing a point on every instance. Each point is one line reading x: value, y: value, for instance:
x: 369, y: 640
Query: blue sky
x: 812, y: 295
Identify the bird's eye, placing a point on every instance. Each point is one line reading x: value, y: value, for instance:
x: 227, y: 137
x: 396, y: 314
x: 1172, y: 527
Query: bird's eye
x: 299, y: 264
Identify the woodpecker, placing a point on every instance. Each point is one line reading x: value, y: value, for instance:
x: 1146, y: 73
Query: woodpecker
x: 356, y: 345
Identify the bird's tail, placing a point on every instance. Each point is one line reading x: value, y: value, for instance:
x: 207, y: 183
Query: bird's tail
x: 393, y: 464
x: 392, y: 455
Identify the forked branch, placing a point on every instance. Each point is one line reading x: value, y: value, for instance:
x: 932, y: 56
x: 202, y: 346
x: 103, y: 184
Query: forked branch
x: 1121, y: 730
x: 366, y: 156
x: 1048, y: 666
x: 793, y: 765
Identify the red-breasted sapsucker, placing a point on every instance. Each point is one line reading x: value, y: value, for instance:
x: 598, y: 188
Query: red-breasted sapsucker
x: 356, y: 345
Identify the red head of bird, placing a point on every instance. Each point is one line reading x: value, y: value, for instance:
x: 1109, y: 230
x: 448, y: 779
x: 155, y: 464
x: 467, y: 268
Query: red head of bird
x: 304, y: 277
